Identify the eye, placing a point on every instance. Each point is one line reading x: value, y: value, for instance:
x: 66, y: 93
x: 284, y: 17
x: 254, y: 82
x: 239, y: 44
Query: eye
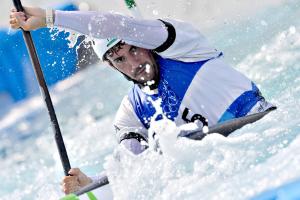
x: 133, y: 50
x: 120, y: 59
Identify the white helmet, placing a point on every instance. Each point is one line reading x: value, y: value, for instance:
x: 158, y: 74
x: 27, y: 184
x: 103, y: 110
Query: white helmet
x: 101, y: 46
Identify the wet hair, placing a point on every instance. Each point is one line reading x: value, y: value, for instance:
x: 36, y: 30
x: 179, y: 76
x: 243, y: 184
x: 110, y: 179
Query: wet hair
x: 113, y: 50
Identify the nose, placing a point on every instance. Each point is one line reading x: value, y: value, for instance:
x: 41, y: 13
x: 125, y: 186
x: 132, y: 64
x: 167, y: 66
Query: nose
x: 134, y: 62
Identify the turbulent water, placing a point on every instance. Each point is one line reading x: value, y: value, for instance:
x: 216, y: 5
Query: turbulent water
x: 260, y: 156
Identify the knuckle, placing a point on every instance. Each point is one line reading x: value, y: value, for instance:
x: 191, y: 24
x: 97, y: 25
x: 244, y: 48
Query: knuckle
x: 74, y: 171
x: 26, y: 28
x: 66, y: 191
x: 66, y: 180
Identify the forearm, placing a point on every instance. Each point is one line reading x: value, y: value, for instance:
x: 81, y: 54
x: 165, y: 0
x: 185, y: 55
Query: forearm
x: 143, y: 33
x: 133, y: 145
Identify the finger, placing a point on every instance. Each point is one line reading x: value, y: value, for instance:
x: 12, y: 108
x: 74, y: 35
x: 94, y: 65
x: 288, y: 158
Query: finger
x: 12, y: 15
x: 21, y: 14
x: 69, y: 188
x: 66, y: 190
x: 18, y: 20
x: 23, y: 18
x: 69, y: 179
x: 70, y: 184
x: 13, y: 10
x: 16, y: 14
x: 13, y: 21
x: 74, y: 171
x: 65, y: 179
x: 26, y: 24
x: 14, y: 26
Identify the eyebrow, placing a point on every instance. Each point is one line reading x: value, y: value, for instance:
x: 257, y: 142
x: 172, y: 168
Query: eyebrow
x: 116, y: 53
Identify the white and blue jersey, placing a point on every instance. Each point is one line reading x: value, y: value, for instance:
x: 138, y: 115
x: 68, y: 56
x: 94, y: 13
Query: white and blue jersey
x: 208, y: 91
x: 179, y: 85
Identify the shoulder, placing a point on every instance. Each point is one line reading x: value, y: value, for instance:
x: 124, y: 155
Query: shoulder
x: 189, y: 44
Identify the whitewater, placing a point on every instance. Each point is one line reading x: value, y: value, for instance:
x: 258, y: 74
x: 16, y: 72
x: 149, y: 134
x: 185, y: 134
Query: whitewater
x: 265, y: 47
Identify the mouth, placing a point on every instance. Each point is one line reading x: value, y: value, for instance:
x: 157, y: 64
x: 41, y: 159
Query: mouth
x: 143, y: 73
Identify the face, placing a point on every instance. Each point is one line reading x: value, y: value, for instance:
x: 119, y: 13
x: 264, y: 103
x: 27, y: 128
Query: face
x: 137, y: 63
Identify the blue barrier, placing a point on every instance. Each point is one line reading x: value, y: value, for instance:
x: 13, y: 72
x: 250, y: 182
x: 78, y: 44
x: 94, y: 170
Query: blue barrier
x: 58, y: 61
x: 289, y: 191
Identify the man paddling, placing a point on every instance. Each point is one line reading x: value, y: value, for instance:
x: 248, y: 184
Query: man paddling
x: 165, y: 59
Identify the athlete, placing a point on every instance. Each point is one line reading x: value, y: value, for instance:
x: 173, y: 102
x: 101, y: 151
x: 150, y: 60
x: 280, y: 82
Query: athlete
x: 166, y: 59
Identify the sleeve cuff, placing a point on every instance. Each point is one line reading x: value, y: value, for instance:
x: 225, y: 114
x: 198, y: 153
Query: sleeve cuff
x: 171, y: 37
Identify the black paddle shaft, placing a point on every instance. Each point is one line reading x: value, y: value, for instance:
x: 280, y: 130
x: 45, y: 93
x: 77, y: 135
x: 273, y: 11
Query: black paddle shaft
x: 45, y: 94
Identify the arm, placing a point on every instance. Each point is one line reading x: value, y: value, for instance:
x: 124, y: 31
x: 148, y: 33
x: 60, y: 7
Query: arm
x: 169, y: 38
x: 144, y: 33
x: 134, y: 142
x: 186, y: 43
x: 148, y: 34
x: 130, y: 132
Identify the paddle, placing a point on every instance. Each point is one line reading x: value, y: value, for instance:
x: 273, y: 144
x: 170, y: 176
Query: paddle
x: 45, y: 94
x: 131, y: 5
x: 227, y: 127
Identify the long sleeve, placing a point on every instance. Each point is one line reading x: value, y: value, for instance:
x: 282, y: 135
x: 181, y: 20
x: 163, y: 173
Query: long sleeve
x: 188, y: 44
x: 133, y: 145
x: 143, y: 33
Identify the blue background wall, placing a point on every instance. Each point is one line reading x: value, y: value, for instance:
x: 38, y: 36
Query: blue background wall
x: 58, y: 61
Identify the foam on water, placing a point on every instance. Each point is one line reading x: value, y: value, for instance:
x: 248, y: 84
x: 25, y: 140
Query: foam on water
x: 259, y: 156
x: 27, y: 150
